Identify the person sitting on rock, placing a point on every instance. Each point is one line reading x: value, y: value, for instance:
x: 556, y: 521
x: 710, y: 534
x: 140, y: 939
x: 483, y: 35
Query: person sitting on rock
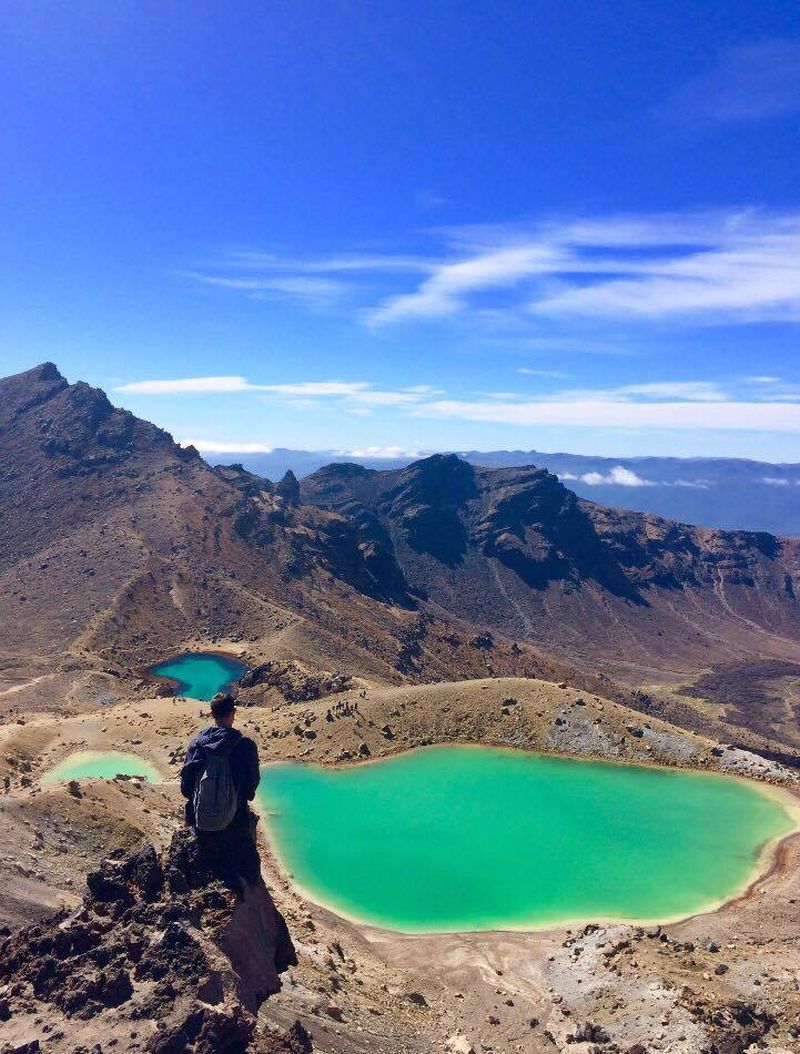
x: 219, y: 778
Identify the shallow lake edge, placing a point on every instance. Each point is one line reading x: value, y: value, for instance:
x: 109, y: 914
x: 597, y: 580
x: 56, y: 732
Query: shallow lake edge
x: 766, y: 864
x: 48, y: 777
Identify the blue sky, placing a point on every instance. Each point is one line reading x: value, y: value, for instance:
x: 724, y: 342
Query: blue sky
x: 363, y: 224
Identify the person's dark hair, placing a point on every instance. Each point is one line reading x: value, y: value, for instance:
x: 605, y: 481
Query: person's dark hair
x: 222, y: 704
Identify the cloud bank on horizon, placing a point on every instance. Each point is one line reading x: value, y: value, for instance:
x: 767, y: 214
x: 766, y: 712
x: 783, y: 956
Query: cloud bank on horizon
x: 754, y: 404
x: 549, y: 284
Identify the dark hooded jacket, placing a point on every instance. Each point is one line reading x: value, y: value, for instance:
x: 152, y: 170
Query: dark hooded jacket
x: 243, y: 760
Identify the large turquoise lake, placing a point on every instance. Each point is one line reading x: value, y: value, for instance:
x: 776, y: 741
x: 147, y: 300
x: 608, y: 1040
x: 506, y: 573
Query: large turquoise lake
x: 200, y: 675
x: 470, y: 838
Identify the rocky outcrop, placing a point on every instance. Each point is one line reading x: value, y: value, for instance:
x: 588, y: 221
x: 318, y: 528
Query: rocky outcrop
x: 515, y: 550
x: 117, y: 545
x: 529, y: 521
x: 599, y: 971
x: 251, y: 485
x: 161, y: 946
x: 288, y: 488
x: 294, y: 683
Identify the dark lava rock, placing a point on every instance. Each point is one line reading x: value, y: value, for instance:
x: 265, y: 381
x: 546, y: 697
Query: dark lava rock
x: 482, y: 640
x: 588, y: 1033
x: 144, y: 871
x: 417, y: 998
x: 288, y: 488
x: 731, y: 1028
x: 155, y: 936
x: 206, y: 1031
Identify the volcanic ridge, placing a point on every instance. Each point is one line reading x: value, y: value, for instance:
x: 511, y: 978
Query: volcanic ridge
x: 376, y: 611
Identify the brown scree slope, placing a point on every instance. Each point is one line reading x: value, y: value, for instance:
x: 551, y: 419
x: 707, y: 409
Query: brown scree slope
x: 118, y: 547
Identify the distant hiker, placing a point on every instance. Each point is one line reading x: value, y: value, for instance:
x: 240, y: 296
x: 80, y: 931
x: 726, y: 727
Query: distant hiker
x: 219, y: 778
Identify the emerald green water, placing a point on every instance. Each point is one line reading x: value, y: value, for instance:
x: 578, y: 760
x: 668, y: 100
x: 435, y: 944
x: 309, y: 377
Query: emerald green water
x: 91, y: 766
x: 457, y: 838
x: 200, y: 675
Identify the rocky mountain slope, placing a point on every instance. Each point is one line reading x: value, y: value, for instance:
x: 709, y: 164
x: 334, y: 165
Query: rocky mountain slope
x: 727, y: 493
x: 355, y: 989
x: 643, y: 598
x: 161, y: 957
x: 118, y: 547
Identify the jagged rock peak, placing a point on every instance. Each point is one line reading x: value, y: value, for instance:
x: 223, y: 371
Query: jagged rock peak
x: 75, y: 420
x: 30, y: 388
x: 45, y: 371
x: 244, y: 480
x: 439, y: 479
x: 289, y: 488
x: 163, y: 946
x: 440, y: 462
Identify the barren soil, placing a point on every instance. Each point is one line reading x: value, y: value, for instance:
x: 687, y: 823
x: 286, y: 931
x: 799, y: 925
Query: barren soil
x: 361, y: 989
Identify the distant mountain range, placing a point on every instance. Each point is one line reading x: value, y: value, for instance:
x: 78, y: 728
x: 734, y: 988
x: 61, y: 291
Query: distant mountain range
x: 727, y: 493
x: 118, y: 547
x: 630, y: 593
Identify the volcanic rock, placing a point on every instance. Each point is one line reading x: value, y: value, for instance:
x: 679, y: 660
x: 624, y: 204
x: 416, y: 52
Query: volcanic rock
x: 162, y: 942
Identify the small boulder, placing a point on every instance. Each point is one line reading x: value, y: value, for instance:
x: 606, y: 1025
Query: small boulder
x: 458, y: 1044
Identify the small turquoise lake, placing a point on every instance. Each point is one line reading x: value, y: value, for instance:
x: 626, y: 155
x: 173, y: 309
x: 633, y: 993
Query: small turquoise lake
x: 89, y: 765
x: 200, y: 675
x: 475, y: 838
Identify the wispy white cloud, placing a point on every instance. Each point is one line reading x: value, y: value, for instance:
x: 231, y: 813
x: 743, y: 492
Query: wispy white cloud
x: 738, y: 267
x: 501, y: 396
x: 389, y: 262
x: 734, y: 267
x: 671, y: 405
x: 444, y: 292
x: 301, y: 394
x: 380, y: 452
x: 528, y: 371
x: 690, y: 391
x: 316, y: 388
x: 618, y: 475
x: 224, y: 446
x: 770, y: 389
x: 186, y: 385
x: 621, y: 476
x: 614, y: 414
x: 308, y: 290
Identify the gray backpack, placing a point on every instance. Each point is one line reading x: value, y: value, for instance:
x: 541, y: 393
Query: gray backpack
x: 215, y: 796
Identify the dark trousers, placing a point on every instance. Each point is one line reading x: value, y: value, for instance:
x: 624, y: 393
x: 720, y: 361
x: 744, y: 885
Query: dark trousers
x: 232, y: 853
